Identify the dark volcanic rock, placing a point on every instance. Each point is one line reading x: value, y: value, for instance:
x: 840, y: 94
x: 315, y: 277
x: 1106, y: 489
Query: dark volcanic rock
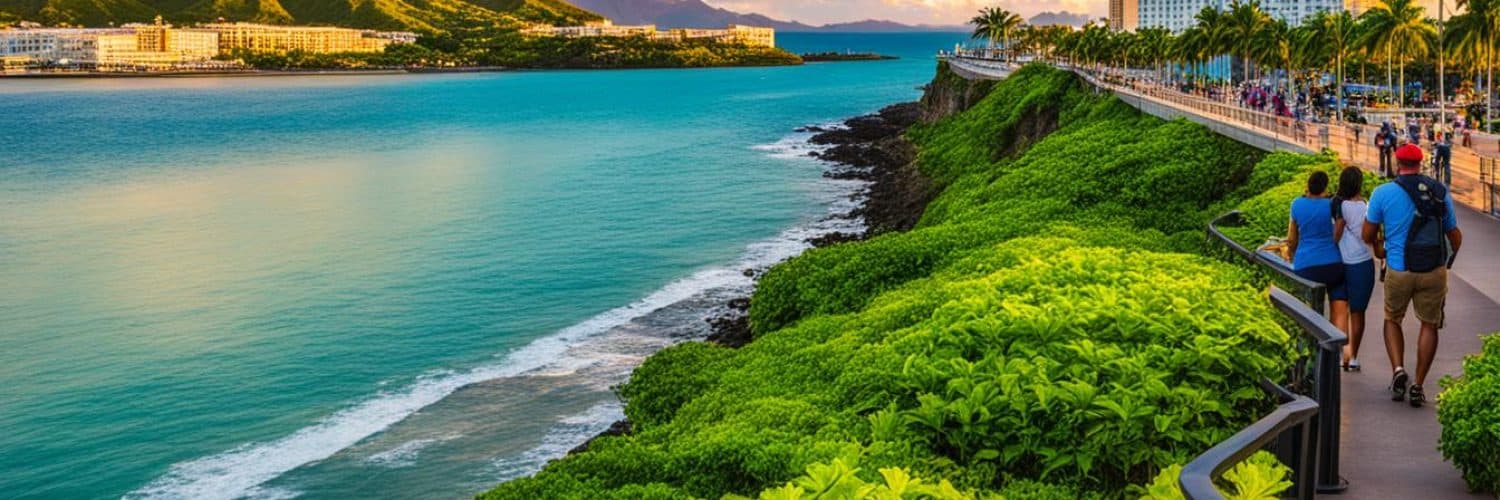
x: 619, y: 428
x: 874, y: 148
x: 834, y: 239
x: 732, y: 329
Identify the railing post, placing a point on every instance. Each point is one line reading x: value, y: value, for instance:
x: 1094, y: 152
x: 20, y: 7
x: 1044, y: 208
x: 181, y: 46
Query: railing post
x: 1329, y: 343
x: 1329, y: 415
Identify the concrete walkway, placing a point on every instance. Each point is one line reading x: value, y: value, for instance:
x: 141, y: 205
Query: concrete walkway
x: 1388, y: 449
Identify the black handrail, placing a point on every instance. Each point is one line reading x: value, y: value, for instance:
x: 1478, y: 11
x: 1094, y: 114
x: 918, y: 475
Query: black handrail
x: 1312, y: 292
x: 1327, y: 343
x: 1289, y: 420
x: 1327, y: 385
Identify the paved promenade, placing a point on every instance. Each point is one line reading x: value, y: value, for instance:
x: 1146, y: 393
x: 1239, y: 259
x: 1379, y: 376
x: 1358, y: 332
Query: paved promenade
x: 1388, y: 450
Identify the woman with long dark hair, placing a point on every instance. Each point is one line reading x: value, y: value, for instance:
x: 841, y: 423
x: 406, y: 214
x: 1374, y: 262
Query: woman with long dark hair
x: 1314, y: 246
x: 1349, y: 207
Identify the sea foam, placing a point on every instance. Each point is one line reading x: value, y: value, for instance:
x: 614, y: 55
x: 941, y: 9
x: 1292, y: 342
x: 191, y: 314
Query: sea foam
x: 240, y: 472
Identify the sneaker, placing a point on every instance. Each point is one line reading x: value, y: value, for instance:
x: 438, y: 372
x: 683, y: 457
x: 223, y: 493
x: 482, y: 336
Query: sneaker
x: 1415, y: 397
x: 1398, y: 385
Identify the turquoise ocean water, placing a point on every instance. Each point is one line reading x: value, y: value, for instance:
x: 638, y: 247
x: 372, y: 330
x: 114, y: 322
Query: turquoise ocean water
x: 383, y: 286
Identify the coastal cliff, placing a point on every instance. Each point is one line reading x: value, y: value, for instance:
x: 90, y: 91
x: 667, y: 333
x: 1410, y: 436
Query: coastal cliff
x: 1002, y: 329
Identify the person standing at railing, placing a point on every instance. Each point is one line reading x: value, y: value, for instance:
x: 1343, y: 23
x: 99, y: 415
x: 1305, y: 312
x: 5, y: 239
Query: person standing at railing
x: 1442, y: 158
x: 1385, y: 140
x: 1348, y: 210
x: 1314, y: 246
x: 1421, y: 240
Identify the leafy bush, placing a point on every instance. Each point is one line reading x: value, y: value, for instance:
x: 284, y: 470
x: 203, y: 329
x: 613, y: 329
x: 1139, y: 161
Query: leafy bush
x: 1259, y: 478
x: 1040, y: 334
x: 1471, y: 419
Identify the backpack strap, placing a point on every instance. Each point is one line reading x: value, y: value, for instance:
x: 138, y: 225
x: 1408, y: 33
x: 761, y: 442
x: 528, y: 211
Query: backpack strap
x: 1337, y: 207
x: 1426, y: 194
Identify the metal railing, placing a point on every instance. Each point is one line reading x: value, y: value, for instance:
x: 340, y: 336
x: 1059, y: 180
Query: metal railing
x: 1323, y: 344
x: 1488, y: 185
x: 1327, y: 386
x: 1289, y: 426
x: 1312, y: 293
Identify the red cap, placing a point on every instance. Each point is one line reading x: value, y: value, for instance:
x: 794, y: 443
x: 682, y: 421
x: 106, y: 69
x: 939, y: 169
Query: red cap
x: 1409, y: 153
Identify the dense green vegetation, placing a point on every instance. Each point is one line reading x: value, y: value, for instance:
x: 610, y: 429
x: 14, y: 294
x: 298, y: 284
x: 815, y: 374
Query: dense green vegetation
x: 453, y: 33
x: 1045, y: 332
x: 414, y: 15
x: 512, y: 50
x: 1471, y: 419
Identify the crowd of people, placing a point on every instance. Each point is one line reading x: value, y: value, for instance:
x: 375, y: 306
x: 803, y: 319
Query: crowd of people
x: 1410, y: 226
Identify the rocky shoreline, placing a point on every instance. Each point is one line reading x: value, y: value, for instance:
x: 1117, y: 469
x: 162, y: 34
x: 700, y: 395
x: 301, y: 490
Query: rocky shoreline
x: 871, y: 148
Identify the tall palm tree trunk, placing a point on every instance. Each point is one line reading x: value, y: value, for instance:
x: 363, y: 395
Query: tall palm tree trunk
x: 1389, y: 82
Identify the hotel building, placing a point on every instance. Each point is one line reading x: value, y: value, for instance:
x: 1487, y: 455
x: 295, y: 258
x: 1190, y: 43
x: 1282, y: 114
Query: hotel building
x: 749, y: 35
x: 130, y: 47
x: 281, y: 39
x: 1178, y: 15
x: 1124, y: 15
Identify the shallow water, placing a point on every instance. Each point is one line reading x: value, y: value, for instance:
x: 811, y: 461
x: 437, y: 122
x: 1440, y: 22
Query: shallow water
x: 385, y: 286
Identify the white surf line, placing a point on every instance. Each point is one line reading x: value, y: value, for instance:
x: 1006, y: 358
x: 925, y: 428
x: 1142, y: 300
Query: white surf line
x: 238, y: 472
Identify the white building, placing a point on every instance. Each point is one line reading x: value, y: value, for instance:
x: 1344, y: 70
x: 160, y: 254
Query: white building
x: 1296, y: 11
x: 749, y: 35
x: 1178, y: 15
x: 62, y: 46
x: 1174, y: 15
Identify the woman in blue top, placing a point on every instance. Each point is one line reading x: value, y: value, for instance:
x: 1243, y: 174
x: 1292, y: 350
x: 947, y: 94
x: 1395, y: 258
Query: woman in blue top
x: 1315, y: 248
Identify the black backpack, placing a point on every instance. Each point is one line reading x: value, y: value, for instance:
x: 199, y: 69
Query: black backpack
x: 1427, y: 245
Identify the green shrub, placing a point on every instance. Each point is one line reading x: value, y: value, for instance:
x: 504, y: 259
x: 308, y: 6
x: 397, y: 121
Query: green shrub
x: 1040, y: 334
x: 1261, y: 477
x: 1470, y: 417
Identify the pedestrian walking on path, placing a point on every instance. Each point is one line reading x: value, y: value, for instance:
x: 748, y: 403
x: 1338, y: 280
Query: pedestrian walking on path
x: 1314, y: 247
x: 1386, y: 141
x: 1421, y: 239
x: 1349, y: 209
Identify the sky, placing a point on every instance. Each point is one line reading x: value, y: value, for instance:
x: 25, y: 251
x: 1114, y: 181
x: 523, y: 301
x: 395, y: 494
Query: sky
x: 905, y: 11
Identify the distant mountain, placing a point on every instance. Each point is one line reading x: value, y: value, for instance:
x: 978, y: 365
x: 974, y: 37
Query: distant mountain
x: 1063, y: 18
x: 877, y: 26
x: 374, y: 14
x: 696, y: 14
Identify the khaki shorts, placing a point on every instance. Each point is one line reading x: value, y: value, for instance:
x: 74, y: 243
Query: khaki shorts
x: 1427, y: 291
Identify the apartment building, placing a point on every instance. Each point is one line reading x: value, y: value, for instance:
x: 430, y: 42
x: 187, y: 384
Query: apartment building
x: 749, y: 35
x: 279, y: 39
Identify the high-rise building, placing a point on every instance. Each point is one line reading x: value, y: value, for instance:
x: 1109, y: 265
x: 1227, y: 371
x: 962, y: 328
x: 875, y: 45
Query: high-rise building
x: 1357, y: 7
x: 1174, y: 15
x: 1178, y: 15
x: 1124, y: 15
x: 1296, y: 11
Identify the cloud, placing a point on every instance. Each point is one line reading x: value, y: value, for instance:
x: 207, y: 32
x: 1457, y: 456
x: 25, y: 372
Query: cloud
x: 907, y: 11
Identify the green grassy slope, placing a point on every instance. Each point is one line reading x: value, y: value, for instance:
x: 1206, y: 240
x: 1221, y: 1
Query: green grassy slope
x: 427, y: 15
x: 1049, y: 330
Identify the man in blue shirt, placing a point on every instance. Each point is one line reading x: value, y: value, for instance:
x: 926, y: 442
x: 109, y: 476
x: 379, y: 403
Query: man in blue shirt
x: 1394, y: 209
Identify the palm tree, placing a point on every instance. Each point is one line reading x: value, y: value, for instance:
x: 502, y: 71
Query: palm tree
x: 1243, y: 24
x: 995, y: 24
x: 1398, y: 27
x: 1329, y: 38
x: 1211, y: 38
x: 1273, y: 47
x: 1154, y: 45
x: 1471, y: 36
